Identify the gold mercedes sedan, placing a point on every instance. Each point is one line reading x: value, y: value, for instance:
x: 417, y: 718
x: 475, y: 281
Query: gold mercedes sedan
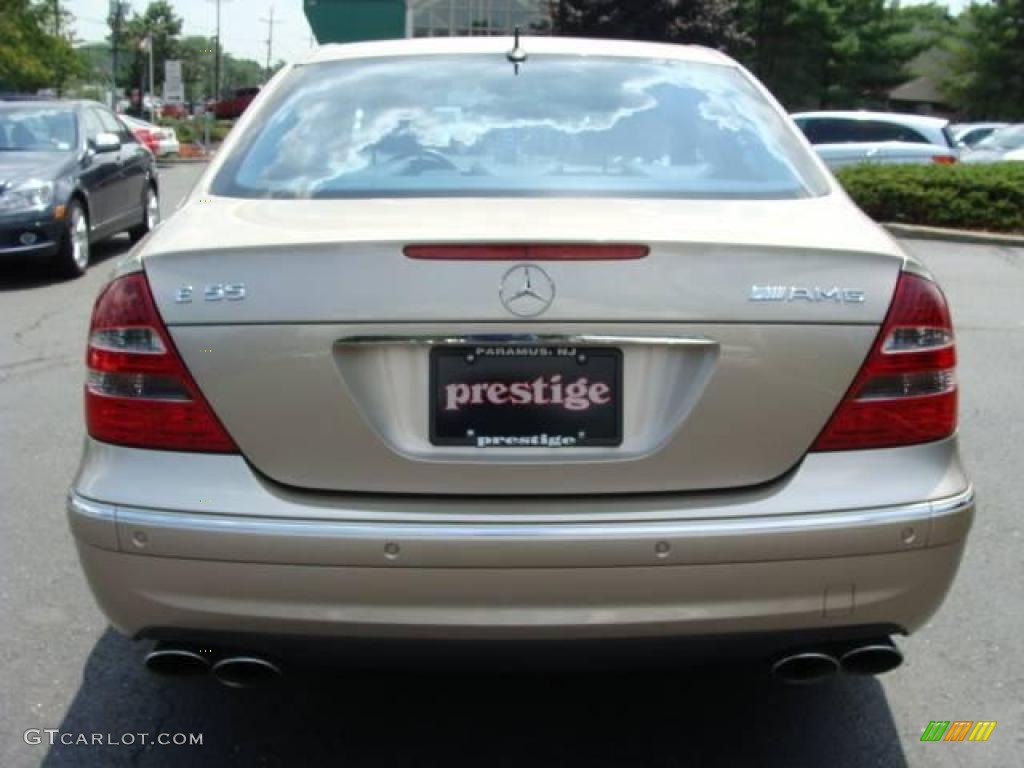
x: 491, y: 340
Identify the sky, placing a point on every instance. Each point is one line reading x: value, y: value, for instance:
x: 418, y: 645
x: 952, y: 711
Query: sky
x: 242, y: 32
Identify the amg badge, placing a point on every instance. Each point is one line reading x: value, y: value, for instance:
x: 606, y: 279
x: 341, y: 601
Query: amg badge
x: 813, y: 293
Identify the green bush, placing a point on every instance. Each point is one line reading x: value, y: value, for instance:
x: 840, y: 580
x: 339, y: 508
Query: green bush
x: 981, y: 197
x: 192, y: 131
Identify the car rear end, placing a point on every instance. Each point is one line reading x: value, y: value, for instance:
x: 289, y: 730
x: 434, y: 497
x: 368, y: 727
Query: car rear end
x: 588, y: 347
x: 844, y: 138
x: 167, y: 142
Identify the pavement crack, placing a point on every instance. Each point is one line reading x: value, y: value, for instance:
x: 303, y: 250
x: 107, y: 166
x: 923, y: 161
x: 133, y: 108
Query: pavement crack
x: 34, y: 325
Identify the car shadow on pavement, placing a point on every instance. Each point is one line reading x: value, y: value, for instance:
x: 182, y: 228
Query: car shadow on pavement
x: 25, y: 274
x: 711, y: 717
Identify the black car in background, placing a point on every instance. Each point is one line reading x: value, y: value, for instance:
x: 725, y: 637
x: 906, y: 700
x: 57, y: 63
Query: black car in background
x: 71, y: 174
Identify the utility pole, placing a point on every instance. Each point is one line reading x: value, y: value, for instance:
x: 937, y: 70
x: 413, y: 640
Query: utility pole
x: 270, y: 38
x: 117, y: 11
x: 216, y: 56
x: 56, y: 33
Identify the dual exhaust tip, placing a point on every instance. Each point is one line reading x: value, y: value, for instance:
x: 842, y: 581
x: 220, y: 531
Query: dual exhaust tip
x: 234, y: 671
x: 869, y: 658
x: 250, y: 671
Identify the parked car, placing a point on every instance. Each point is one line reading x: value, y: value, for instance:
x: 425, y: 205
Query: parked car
x: 846, y: 138
x: 230, y: 108
x: 161, y: 140
x: 70, y: 175
x: 581, y: 342
x: 1005, y: 144
x: 969, y: 134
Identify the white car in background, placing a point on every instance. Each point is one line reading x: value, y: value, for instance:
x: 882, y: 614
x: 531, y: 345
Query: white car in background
x: 847, y: 138
x: 969, y: 134
x: 161, y: 140
x: 1002, y: 145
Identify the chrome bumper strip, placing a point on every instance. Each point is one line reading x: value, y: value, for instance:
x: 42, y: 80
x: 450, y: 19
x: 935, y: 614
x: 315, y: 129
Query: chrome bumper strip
x: 318, y: 542
x: 507, y: 339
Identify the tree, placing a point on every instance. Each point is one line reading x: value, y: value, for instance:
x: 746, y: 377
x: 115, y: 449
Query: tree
x: 196, y: 54
x: 713, y: 23
x: 835, y: 53
x: 161, y: 22
x: 35, y: 46
x: 240, y: 73
x: 988, y: 61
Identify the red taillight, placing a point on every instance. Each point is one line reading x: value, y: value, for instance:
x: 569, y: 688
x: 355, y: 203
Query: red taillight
x: 943, y: 159
x: 138, y: 391
x: 906, y: 392
x: 147, y: 139
x: 520, y: 252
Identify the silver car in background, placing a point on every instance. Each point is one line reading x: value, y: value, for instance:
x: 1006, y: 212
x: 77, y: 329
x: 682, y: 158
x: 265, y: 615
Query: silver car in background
x: 969, y: 134
x: 1006, y: 144
x: 572, y: 341
x: 844, y: 138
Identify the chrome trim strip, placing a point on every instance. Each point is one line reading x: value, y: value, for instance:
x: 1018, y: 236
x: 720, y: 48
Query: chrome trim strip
x: 953, y: 504
x: 502, y: 339
x: 20, y: 250
x: 91, y: 510
x: 802, y: 523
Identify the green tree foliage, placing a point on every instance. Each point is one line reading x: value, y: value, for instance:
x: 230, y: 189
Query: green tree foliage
x: 196, y: 54
x: 159, y: 21
x: 35, y: 47
x: 713, y: 23
x: 240, y: 73
x: 835, y: 53
x: 988, y: 61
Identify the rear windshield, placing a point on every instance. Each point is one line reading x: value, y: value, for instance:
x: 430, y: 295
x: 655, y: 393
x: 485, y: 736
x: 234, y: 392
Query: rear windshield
x: 467, y: 125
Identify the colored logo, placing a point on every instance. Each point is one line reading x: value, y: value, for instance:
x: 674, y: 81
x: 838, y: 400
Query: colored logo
x: 958, y: 730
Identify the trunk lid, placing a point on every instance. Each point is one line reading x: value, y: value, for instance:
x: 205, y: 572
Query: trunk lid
x: 738, y: 337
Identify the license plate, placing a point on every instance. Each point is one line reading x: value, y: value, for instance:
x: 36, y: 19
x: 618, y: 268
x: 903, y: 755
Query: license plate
x: 526, y: 397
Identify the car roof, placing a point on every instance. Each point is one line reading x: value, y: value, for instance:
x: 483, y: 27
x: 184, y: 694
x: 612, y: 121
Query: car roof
x: 71, y: 103
x: 920, y: 121
x: 972, y: 126
x: 424, y: 46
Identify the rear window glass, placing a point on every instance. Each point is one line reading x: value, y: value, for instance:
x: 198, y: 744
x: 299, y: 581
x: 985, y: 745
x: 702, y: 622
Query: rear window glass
x: 827, y: 130
x: 467, y: 125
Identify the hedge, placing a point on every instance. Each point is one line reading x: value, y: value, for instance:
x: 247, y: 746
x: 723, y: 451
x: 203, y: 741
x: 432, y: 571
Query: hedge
x: 987, y: 197
x: 190, y: 131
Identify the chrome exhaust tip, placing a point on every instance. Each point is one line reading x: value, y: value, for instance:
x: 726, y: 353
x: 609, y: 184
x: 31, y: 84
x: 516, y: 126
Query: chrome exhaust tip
x: 246, y: 671
x: 172, y: 661
x: 872, y: 658
x: 805, y: 667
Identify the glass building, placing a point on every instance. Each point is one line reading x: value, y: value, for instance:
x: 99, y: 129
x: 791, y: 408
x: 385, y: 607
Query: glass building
x: 447, y: 18
x: 342, y: 21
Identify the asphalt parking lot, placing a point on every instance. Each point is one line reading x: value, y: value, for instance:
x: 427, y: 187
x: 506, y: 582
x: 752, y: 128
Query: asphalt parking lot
x: 63, y: 668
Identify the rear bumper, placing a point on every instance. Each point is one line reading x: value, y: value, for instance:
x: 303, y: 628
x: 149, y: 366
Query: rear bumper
x: 198, y: 572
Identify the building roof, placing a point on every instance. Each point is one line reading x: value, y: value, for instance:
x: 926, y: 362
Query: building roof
x: 920, y: 90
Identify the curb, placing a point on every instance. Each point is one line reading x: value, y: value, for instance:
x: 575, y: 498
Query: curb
x: 183, y: 161
x: 915, y: 232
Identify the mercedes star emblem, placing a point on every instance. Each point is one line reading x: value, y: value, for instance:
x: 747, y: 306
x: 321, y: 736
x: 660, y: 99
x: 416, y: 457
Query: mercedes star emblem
x: 526, y: 290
